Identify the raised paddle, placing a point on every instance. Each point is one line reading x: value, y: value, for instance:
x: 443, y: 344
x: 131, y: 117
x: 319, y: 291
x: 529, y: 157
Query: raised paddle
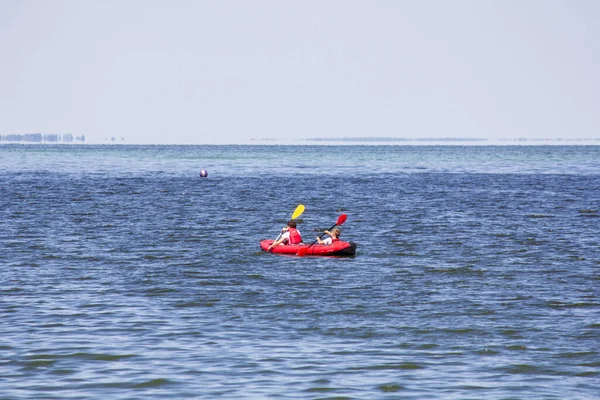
x: 297, y: 212
x: 341, y: 219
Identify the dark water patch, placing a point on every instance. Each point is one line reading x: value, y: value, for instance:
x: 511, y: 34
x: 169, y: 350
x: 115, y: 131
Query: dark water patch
x: 86, y: 278
x: 587, y: 374
x: 590, y: 215
x: 12, y: 289
x: 82, y: 199
x: 80, y: 356
x: 201, y: 303
x: 522, y: 369
x: 563, y: 305
x: 153, y: 257
x: 516, y: 347
x: 152, y: 383
x: 94, y: 306
x: 512, y: 333
x: 321, y: 389
x: 393, y: 366
x: 53, y: 325
x: 464, y: 270
x: 591, y: 364
x: 32, y: 364
x: 462, y: 331
x: 390, y: 388
x: 428, y: 346
x: 576, y: 355
x: 351, y: 332
x: 159, y: 291
x: 531, y: 241
x: 487, y: 352
x: 62, y: 371
x: 540, y: 216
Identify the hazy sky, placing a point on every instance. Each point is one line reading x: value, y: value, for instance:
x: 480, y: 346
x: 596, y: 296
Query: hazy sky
x: 231, y: 71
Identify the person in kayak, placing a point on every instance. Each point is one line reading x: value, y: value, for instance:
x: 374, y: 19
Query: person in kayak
x: 289, y: 235
x: 333, y: 237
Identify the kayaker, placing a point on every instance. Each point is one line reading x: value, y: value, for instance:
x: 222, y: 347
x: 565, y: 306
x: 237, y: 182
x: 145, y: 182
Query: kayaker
x: 289, y: 235
x: 333, y: 236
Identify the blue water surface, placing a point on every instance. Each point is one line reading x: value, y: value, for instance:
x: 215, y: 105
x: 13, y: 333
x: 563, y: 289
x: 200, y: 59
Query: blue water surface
x: 127, y: 276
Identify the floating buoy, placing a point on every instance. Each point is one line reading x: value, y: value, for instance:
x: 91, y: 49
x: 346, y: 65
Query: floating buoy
x: 203, y: 174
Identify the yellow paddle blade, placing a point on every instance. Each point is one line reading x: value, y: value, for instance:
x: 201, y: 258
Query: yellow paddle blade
x: 299, y: 210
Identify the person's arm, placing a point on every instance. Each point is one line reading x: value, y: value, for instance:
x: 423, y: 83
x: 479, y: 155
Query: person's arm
x: 284, y: 236
x: 275, y: 243
x: 327, y: 241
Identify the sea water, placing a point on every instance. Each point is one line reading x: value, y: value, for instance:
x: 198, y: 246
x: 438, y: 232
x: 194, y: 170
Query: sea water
x: 125, y: 275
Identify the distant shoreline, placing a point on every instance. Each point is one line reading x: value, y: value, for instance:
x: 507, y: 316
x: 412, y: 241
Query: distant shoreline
x: 395, y: 139
x: 46, y: 138
x: 69, y: 139
x: 445, y: 139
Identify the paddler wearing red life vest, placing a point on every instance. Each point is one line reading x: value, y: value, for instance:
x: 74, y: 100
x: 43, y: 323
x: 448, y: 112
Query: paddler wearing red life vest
x: 334, y: 236
x: 289, y: 235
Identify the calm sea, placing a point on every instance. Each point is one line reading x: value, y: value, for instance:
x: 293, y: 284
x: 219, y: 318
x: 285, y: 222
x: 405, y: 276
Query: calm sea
x: 127, y: 276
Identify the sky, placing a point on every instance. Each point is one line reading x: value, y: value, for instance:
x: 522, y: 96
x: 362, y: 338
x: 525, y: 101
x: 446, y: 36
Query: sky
x: 237, y: 72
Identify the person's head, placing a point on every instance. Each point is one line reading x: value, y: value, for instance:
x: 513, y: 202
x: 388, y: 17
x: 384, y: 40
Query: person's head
x: 336, y: 232
x: 291, y: 223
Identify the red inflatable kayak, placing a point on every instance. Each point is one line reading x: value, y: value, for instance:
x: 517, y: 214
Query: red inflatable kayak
x: 335, y: 249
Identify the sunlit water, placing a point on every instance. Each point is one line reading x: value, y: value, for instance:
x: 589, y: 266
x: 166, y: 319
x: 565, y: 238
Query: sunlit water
x: 127, y: 276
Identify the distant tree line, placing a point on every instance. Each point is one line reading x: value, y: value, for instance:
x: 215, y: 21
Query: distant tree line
x: 395, y: 139
x: 43, y: 138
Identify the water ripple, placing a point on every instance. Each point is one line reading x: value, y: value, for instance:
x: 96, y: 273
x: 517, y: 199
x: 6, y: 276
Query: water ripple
x: 126, y: 283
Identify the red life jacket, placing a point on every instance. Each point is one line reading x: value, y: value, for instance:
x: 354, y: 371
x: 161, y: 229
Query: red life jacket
x: 295, y: 237
x: 335, y: 240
